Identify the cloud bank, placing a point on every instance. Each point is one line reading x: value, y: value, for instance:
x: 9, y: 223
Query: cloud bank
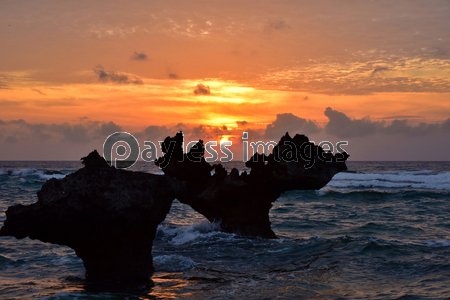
x: 368, y: 139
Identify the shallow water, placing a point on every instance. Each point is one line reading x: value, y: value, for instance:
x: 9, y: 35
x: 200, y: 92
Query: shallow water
x: 382, y: 232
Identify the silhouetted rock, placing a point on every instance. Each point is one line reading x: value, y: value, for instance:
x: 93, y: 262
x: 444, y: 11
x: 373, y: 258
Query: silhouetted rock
x: 94, y: 160
x: 308, y: 168
x: 108, y: 216
x: 241, y: 203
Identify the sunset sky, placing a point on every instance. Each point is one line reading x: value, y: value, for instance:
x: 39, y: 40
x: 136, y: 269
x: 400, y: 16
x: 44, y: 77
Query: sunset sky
x: 373, y: 73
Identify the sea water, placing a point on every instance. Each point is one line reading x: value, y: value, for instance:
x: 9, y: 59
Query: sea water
x: 381, y: 231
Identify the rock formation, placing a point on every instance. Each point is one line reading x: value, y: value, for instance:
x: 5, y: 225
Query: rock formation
x: 108, y: 216
x: 241, y: 203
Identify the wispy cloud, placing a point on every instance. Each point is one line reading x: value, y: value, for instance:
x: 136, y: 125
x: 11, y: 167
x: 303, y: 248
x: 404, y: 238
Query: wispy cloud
x: 139, y: 56
x: 361, y: 76
x: 9, y: 103
x: 276, y: 25
x: 379, y: 70
x: 38, y: 91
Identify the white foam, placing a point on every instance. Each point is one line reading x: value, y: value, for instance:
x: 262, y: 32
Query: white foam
x: 24, y: 172
x: 411, y: 176
x: 23, y: 180
x: 31, y: 171
x: 183, y: 235
x: 348, y: 190
x: 402, y: 179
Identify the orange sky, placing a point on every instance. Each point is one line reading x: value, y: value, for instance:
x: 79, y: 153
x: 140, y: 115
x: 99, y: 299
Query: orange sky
x: 72, y: 65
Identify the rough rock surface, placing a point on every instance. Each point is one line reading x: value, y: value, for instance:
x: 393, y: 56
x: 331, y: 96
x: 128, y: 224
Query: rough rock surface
x: 241, y: 202
x: 108, y: 216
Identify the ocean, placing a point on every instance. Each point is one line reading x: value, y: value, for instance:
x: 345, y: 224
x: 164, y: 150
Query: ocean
x: 380, y: 231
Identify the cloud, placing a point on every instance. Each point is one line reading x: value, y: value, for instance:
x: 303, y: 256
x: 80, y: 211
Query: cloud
x: 116, y: 77
x: 342, y: 126
x: 11, y: 140
x: 191, y: 132
x: 199, y: 131
x: 379, y: 70
x: 10, y: 103
x: 254, y: 135
x: 401, y: 117
x: 76, y: 133
x: 156, y: 133
x: 180, y: 127
x: 107, y: 129
x: 362, y: 75
x: 288, y: 122
x: 201, y: 89
x: 38, y: 91
x: 276, y: 24
x: 241, y: 123
x: 206, y: 132
x: 68, y: 101
x: 83, y: 132
x: 18, y: 122
x: 445, y: 126
x: 369, y: 139
x: 421, y: 129
x: 139, y: 56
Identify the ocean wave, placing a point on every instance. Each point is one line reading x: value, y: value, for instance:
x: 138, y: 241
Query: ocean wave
x: 42, y: 174
x: 327, y: 190
x: 409, y: 176
x: 193, y: 234
x: 423, y: 179
x: 173, y: 263
x: 441, y: 243
x: 24, y: 181
x: 47, y: 176
x: 24, y: 172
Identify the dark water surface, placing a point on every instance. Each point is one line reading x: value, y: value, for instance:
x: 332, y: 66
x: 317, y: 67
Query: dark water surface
x: 382, y: 232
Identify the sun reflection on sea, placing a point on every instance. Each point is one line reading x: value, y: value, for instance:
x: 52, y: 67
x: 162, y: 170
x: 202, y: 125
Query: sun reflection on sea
x: 168, y: 285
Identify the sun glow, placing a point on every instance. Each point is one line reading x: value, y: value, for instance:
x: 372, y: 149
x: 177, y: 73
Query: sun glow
x: 226, y: 138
